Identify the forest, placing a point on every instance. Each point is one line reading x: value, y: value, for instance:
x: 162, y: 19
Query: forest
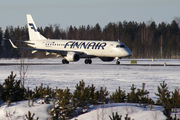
x: 145, y: 40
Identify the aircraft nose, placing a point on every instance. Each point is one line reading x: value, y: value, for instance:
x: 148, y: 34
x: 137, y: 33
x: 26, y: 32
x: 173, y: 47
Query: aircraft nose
x: 127, y: 52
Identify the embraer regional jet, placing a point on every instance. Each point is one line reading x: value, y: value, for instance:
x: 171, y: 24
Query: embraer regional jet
x: 73, y: 50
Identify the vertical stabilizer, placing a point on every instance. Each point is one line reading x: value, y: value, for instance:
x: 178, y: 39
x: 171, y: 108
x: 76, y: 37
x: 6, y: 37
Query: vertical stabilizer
x: 32, y: 29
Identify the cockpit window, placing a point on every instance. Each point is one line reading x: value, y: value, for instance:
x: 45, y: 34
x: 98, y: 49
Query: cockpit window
x: 120, y: 46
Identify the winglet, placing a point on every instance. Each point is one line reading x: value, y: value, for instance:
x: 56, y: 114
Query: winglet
x: 12, y: 44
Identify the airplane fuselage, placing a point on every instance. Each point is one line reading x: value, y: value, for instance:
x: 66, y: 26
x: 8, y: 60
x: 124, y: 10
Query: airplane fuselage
x: 92, y: 48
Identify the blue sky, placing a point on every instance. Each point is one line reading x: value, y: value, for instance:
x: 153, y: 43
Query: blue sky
x: 83, y: 12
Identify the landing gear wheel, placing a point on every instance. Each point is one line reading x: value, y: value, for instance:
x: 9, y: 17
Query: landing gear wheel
x: 88, y: 61
x: 64, y: 61
x: 117, y: 62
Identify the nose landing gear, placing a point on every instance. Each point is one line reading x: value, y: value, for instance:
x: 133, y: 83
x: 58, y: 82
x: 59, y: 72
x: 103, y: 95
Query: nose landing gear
x: 117, y: 62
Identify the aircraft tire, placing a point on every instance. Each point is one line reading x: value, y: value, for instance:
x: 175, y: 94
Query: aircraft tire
x: 67, y: 62
x: 64, y: 61
x: 117, y: 62
x: 88, y: 61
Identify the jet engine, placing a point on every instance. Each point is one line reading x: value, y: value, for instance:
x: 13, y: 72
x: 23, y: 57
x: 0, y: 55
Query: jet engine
x: 107, y: 59
x: 72, y: 57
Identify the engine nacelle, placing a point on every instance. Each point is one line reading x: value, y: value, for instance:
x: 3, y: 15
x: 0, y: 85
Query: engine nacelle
x: 107, y: 59
x: 72, y: 57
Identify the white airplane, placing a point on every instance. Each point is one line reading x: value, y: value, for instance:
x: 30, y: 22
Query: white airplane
x: 73, y: 50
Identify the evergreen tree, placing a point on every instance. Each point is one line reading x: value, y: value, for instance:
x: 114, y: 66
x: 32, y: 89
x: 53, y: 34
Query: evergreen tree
x: 102, y: 95
x: 81, y: 34
x: 164, y: 99
x: 109, y: 32
x: 119, y: 96
x: 97, y: 32
x: 132, y: 97
x: 48, y: 32
x: 92, y: 95
x: 175, y: 100
x: 56, y: 33
x: 81, y: 95
x: 12, y: 90
x: 163, y: 95
x: 89, y: 33
x: 64, y: 107
x: 70, y: 34
x: 143, y: 94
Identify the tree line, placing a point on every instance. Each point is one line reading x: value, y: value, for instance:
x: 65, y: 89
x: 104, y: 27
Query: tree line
x: 145, y: 40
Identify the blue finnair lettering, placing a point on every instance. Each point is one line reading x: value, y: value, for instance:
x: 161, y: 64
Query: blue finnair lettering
x: 85, y: 45
x: 67, y: 44
x: 91, y: 45
x: 32, y: 27
x: 102, y: 45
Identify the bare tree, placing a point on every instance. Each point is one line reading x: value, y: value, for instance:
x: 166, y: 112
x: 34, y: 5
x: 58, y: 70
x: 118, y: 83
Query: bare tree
x: 23, y: 69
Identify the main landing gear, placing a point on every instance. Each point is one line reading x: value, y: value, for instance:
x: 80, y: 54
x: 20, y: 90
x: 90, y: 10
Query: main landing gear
x: 88, y: 61
x: 64, y: 61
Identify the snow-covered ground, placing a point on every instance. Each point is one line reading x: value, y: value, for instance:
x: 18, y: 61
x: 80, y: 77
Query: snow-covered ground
x: 101, y: 74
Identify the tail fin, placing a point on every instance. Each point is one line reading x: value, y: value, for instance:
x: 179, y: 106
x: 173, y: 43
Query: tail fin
x: 33, y: 32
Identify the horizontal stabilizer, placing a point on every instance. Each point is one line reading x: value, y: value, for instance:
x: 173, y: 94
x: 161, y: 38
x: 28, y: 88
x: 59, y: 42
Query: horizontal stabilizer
x: 12, y: 43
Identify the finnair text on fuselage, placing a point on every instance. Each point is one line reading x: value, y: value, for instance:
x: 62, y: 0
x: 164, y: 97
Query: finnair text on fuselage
x: 85, y: 45
x: 80, y: 45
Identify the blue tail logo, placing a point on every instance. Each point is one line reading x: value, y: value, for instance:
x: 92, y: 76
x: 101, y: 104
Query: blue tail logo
x: 32, y: 27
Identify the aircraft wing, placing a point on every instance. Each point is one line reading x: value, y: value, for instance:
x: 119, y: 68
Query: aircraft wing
x: 19, y: 47
x: 62, y: 52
